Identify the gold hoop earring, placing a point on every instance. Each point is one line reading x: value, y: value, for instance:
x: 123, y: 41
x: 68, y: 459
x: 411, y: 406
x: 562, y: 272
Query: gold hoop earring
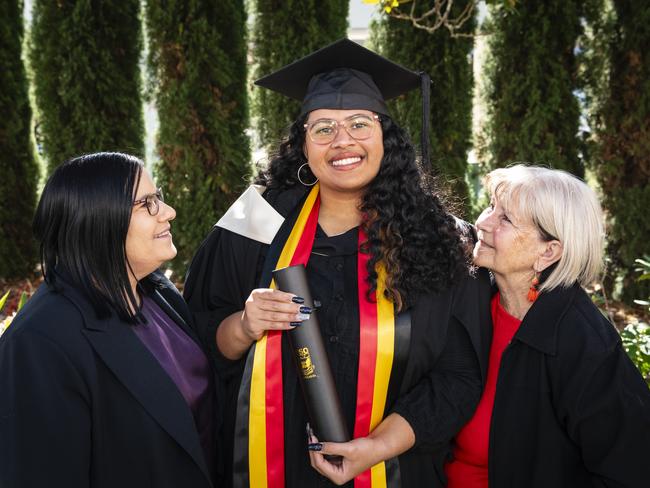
x: 300, y: 179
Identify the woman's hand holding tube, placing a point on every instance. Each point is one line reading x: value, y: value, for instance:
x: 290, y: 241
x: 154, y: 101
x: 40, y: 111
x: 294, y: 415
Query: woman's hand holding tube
x: 265, y: 309
x: 391, y: 438
x: 268, y: 309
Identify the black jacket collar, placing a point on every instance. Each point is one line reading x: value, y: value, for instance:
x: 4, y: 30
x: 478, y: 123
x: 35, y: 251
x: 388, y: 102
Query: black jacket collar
x: 540, y: 326
x: 164, y: 293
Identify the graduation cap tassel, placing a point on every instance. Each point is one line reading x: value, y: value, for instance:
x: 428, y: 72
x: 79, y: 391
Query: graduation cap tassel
x: 425, y: 86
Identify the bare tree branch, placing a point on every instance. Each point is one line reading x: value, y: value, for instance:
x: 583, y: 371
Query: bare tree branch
x: 437, y: 17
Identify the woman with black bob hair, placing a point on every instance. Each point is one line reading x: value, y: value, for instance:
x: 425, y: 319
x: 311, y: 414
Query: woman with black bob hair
x: 387, y: 267
x: 103, y: 382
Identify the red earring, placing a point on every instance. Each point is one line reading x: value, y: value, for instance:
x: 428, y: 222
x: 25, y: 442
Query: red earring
x: 533, y: 292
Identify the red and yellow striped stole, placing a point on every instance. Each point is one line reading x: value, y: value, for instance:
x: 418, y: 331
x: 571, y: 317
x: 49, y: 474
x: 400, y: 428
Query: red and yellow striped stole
x: 376, y: 350
x: 377, y: 339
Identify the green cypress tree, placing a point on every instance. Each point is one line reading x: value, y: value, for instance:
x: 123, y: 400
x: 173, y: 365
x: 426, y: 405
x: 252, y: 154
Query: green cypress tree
x: 85, y: 57
x: 197, y: 64
x: 532, y: 71
x: 283, y: 32
x: 622, y: 162
x: 447, y: 60
x: 19, y: 170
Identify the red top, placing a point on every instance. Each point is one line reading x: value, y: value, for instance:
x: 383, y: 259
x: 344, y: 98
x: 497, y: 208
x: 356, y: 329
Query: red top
x: 469, y: 469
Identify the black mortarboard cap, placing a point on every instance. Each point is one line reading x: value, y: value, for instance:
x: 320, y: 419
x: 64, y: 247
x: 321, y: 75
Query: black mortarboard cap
x: 343, y: 75
x: 346, y: 75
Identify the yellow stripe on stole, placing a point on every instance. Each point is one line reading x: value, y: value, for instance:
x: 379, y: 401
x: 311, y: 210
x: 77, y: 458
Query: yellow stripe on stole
x: 257, y: 418
x: 383, y: 366
x: 257, y: 408
x: 294, y: 238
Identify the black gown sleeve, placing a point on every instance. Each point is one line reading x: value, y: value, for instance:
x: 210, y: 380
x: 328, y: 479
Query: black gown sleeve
x: 220, y: 278
x: 453, y: 332
x: 443, y: 400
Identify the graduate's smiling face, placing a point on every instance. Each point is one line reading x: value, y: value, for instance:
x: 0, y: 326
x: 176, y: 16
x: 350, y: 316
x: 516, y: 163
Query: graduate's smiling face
x: 351, y: 159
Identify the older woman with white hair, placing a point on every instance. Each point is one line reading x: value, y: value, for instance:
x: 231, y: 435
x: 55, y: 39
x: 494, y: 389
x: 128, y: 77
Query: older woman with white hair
x: 563, y: 405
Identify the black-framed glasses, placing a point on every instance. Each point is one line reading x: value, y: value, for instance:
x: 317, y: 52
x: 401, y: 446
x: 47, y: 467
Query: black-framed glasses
x: 152, y: 202
x: 359, y: 127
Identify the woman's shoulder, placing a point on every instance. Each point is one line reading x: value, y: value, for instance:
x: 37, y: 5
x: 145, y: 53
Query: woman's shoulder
x: 467, y: 299
x: 254, y: 217
x: 583, y: 328
x: 249, y: 224
x: 51, y: 314
x: 468, y: 283
x: 473, y: 279
x: 221, y: 251
x: 284, y: 200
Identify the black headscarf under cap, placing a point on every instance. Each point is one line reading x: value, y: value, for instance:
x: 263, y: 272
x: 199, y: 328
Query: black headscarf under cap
x: 346, y: 75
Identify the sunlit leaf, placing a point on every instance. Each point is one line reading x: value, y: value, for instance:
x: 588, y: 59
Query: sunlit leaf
x: 3, y: 300
x: 22, y: 301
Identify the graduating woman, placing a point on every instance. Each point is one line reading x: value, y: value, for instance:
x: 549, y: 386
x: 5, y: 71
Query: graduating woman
x: 102, y: 378
x: 386, y: 264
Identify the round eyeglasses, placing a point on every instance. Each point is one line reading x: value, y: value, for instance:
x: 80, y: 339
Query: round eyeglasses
x: 324, y: 131
x: 152, y: 202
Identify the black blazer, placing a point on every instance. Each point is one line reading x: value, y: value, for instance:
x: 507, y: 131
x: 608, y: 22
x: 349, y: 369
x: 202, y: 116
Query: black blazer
x: 570, y: 410
x: 83, y: 403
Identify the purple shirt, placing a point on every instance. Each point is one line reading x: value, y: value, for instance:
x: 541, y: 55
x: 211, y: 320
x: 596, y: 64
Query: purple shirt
x: 187, y: 366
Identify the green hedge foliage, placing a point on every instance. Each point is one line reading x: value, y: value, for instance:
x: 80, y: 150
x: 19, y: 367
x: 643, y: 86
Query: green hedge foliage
x: 197, y: 69
x: 448, y: 61
x: 622, y: 160
x: 85, y: 57
x: 533, y: 73
x: 19, y: 171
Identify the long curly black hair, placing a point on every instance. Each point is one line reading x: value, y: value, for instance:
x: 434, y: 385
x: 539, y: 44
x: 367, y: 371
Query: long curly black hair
x: 408, y: 229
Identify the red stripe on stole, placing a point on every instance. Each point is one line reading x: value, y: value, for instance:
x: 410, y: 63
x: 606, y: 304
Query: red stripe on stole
x: 367, y: 356
x: 274, y: 391
x: 274, y: 411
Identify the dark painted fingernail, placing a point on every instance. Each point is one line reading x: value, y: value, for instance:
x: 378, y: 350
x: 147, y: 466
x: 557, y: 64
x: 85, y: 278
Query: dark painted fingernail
x: 295, y: 324
x: 305, y: 309
x: 298, y: 300
x: 316, y: 446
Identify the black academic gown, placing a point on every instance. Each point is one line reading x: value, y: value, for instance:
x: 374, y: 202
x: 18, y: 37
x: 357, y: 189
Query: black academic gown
x: 442, y: 381
x: 84, y: 404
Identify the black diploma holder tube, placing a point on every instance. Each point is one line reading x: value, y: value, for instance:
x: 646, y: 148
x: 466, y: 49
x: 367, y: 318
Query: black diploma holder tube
x: 314, y: 371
